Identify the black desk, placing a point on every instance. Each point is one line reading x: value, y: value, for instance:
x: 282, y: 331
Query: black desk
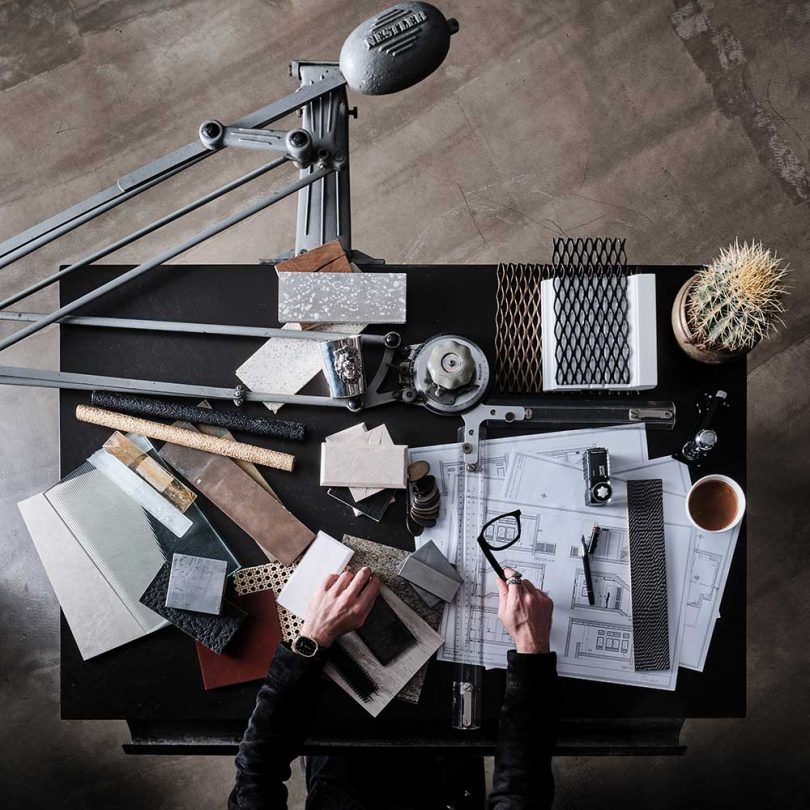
x: 155, y: 683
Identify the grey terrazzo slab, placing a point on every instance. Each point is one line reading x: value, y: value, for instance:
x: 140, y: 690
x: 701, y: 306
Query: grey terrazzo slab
x: 342, y: 297
x: 196, y: 583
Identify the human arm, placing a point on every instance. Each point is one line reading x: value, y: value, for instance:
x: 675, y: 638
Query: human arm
x: 527, y: 729
x: 280, y: 721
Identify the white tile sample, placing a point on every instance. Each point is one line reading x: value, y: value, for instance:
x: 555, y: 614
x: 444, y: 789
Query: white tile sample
x: 390, y: 679
x: 286, y: 366
x: 324, y: 556
x: 358, y: 465
x: 196, y: 583
x: 98, y: 618
x: 374, y: 437
x: 342, y: 297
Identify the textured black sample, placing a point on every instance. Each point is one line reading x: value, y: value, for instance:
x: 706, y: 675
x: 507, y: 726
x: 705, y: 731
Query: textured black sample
x: 648, y: 574
x: 358, y: 680
x: 167, y: 409
x: 592, y: 250
x: 384, y: 633
x: 213, y: 631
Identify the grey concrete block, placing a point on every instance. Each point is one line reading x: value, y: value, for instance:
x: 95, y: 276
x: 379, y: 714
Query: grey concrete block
x: 196, y: 583
x: 342, y: 297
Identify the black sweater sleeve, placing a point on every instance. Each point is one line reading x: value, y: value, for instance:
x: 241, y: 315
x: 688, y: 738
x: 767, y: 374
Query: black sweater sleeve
x: 527, y: 733
x: 276, y: 731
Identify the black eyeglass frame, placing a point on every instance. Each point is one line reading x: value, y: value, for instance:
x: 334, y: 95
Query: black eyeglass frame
x: 488, y: 548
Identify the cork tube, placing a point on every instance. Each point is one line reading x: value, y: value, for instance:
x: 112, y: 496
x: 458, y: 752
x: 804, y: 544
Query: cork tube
x: 185, y: 438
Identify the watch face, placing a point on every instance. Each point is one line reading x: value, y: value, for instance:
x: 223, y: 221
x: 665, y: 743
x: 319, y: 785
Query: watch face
x: 305, y: 646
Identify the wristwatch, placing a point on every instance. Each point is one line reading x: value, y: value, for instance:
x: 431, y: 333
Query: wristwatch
x: 305, y: 646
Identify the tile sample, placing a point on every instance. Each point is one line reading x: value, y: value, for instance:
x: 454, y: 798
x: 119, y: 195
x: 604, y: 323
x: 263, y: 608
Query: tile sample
x: 356, y: 465
x: 261, y: 515
x: 378, y: 436
x: 342, y: 297
x: 248, y: 656
x: 196, y: 583
x: 98, y: 618
x: 285, y: 366
x: 215, y: 632
x: 431, y: 574
x: 328, y: 258
x: 384, y: 633
x: 325, y: 556
x: 392, y: 678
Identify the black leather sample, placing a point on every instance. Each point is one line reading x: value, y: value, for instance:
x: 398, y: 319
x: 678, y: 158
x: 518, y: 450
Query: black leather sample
x: 384, y: 633
x: 213, y: 631
x: 374, y: 506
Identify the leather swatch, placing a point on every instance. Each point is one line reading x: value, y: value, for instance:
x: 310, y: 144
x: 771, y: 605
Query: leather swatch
x: 213, y: 631
x: 277, y: 531
x: 249, y: 655
x: 385, y: 634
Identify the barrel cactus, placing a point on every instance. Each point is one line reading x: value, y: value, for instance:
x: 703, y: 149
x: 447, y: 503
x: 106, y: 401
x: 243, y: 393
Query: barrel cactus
x: 736, y: 301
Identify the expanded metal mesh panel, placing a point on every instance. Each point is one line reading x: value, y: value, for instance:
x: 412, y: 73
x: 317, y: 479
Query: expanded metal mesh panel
x: 518, y: 366
x: 593, y: 251
x: 591, y: 333
x: 591, y: 329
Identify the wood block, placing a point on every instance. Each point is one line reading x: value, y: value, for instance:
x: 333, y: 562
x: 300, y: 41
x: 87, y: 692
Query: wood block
x: 358, y: 465
x: 329, y: 258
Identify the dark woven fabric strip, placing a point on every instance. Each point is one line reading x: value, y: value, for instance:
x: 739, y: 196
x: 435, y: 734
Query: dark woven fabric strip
x: 166, y: 409
x: 648, y: 574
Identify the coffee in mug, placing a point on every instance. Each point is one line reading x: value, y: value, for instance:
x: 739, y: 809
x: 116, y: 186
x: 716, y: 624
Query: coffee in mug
x: 715, y: 503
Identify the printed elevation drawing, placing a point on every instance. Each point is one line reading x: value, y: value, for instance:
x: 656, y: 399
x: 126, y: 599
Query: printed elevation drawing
x: 599, y: 640
x: 611, y: 593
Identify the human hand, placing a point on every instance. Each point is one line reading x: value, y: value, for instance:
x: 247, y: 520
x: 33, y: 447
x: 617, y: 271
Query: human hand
x: 341, y: 604
x: 525, y: 612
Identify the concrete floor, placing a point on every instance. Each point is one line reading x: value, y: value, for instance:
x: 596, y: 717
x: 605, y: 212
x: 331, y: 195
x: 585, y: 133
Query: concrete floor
x: 679, y: 125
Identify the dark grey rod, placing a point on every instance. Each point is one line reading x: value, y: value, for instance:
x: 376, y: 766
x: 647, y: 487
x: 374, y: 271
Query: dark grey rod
x: 147, y: 176
x: 106, y: 203
x: 41, y: 378
x: 212, y: 230
x: 189, y: 328
x: 141, y: 232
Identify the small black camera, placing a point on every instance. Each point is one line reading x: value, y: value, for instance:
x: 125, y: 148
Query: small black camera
x: 596, y: 468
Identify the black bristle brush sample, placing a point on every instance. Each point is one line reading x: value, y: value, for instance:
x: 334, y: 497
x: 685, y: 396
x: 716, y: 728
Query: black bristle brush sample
x: 358, y: 680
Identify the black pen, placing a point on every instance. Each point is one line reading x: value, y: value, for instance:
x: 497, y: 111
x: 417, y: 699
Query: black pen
x: 587, y: 565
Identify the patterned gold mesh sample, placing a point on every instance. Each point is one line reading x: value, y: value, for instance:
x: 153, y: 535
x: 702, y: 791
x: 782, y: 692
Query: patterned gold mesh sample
x: 518, y: 368
x: 270, y: 577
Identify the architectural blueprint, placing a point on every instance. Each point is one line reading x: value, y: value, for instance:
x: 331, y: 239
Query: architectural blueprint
x: 542, y: 475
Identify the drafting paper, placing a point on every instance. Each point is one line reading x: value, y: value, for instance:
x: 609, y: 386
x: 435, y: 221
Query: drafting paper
x: 544, y: 473
x: 97, y: 616
x: 324, y: 556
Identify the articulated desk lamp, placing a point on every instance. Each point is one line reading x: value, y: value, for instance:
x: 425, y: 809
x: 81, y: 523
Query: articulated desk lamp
x: 448, y: 374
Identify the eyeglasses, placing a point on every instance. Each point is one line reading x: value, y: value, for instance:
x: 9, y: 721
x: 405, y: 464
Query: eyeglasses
x: 505, y: 528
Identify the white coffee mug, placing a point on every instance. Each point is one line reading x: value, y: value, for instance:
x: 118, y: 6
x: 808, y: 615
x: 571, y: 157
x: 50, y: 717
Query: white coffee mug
x: 736, y: 488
